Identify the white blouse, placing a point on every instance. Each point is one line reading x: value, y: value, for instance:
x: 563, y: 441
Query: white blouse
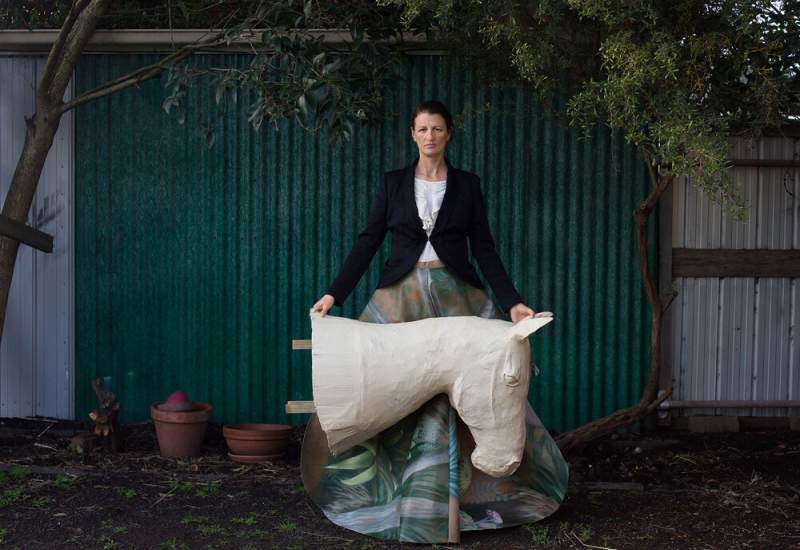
x: 429, y: 195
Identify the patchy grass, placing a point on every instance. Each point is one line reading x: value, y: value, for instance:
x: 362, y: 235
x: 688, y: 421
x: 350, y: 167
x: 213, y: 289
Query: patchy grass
x: 287, y: 526
x: 190, y: 519
x: 208, y: 489
x: 707, y: 491
x: 115, y: 529
x: 127, y: 492
x: 41, y: 501
x: 64, y: 482
x: 173, y: 544
x: 211, y: 530
x: 176, y: 486
x: 540, y: 535
x: 107, y: 543
x: 563, y: 535
x: 16, y: 473
x: 13, y: 496
x: 250, y: 519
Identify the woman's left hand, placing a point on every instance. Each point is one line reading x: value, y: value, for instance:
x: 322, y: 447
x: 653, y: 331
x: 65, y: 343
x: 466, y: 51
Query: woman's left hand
x: 520, y: 312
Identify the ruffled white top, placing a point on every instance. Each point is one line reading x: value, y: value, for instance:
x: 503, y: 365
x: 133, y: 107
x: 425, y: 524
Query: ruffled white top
x: 429, y: 195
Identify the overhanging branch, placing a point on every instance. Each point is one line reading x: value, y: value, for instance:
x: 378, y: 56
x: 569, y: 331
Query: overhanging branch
x: 140, y: 75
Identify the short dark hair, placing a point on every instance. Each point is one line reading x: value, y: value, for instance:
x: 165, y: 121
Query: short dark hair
x: 433, y: 107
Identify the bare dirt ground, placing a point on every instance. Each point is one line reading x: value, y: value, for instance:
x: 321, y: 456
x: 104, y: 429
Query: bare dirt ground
x: 662, y: 490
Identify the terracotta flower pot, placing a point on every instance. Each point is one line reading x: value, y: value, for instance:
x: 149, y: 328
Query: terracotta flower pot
x: 255, y: 442
x: 180, y: 433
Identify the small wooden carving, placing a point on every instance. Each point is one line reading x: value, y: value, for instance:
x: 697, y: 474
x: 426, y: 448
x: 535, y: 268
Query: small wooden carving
x: 105, y: 417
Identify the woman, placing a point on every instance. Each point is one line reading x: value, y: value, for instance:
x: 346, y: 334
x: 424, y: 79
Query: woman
x: 397, y: 485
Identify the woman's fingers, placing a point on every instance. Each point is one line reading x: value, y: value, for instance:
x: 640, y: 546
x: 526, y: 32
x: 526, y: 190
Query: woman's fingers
x: 520, y: 312
x: 323, y: 305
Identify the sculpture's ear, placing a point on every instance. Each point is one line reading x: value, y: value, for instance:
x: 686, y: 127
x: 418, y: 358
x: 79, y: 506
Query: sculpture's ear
x: 526, y: 327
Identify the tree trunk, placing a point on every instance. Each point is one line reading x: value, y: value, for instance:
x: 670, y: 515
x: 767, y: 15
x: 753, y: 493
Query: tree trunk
x: 41, y: 129
x: 649, y: 400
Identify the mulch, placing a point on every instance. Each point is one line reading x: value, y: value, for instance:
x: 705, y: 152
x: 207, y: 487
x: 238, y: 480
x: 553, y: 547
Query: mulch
x: 664, y: 489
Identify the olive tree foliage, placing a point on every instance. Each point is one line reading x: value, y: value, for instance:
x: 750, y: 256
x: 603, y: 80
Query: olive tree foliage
x: 331, y: 80
x: 675, y: 78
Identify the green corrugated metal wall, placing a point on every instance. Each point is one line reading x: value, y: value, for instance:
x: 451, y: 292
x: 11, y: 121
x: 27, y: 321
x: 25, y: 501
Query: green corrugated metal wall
x: 196, y: 267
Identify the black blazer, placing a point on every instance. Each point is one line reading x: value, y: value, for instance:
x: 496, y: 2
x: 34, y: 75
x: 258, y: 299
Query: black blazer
x: 461, y: 216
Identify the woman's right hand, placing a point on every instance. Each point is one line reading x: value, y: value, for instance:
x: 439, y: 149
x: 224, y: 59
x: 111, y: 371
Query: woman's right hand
x: 323, y: 304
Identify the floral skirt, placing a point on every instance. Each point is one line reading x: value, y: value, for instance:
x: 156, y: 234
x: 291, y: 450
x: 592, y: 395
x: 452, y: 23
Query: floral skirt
x: 397, y: 485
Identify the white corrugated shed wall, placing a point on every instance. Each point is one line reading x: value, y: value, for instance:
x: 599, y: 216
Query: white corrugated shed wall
x: 733, y: 338
x: 36, y: 355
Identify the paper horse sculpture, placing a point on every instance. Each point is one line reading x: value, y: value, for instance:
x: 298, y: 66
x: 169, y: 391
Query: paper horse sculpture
x: 368, y: 376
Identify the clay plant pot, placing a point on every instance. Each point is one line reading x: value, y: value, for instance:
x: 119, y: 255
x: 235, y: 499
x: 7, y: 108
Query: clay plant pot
x: 256, y: 442
x: 180, y: 433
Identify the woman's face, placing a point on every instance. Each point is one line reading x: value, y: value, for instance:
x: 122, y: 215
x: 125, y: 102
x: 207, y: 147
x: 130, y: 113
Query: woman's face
x: 431, y: 135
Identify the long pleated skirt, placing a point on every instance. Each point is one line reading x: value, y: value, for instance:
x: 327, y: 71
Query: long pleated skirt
x: 397, y: 485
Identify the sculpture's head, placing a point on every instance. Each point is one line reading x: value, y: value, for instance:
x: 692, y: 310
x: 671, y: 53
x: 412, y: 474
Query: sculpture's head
x: 491, y: 399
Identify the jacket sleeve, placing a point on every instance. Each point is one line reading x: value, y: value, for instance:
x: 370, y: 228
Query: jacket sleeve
x: 483, y: 249
x: 367, y: 243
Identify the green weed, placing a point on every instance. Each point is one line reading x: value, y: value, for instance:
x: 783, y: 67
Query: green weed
x: 208, y: 489
x: 250, y: 519
x: 190, y: 519
x: 539, y: 535
x: 108, y: 524
x: 12, y: 496
x: 3, y: 535
x: 583, y: 532
x: 287, y: 526
x: 127, y: 492
x: 107, y: 543
x: 64, y: 482
x: 208, y: 530
x: 20, y: 472
x: 173, y: 544
x: 41, y: 502
x: 16, y: 473
x: 176, y: 486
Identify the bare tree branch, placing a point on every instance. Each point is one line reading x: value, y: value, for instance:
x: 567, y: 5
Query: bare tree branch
x: 76, y: 41
x: 57, y: 51
x: 144, y: 73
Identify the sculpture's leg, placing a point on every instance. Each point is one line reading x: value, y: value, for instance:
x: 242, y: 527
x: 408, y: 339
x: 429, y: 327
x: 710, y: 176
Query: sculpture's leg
x: 453, y: 529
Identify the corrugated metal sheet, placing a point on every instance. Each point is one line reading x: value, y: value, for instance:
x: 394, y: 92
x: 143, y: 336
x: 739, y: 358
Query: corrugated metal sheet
x: 197, y: 267
x: 36, y: 356
x: 734, y: 337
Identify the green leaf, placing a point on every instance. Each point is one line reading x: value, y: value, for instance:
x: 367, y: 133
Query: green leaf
x: 364, y: 477
x: 361, y: 460
x: 302, y: 103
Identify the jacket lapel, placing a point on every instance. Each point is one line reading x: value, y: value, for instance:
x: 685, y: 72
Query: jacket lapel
x: 409, y: 201
x: 448, y: 199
